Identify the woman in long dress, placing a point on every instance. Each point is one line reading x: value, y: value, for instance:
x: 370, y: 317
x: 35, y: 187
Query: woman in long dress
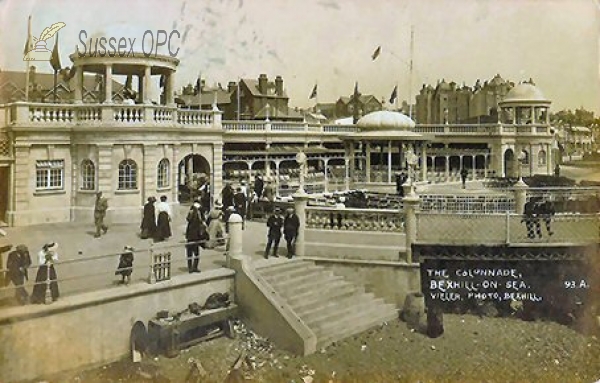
x: 215, y: 227
x: 46, y: 274
x: 163, y: 229
x: 148, y: 225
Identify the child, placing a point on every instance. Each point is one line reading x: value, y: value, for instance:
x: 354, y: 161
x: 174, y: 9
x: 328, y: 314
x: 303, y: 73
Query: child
x: 125, y: 267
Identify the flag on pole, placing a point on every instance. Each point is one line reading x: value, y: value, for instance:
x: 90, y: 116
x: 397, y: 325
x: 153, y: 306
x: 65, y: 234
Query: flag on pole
x: 55, y: 58
x: 394, y: 94
x: 376, y: 53
x: 162, y: 80
x: 28, y: 47
x: 313, y: 94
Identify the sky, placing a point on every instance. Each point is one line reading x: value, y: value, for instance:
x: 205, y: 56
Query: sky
x: 330, y: 42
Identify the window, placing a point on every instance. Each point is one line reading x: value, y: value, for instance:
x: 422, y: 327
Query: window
x: 88, y: 175
x: 127, y: 175
x: 163, y: 173
x: 49, y: 174
x: 542, y: 158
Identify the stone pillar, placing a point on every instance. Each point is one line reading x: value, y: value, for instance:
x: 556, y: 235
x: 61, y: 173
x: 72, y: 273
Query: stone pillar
x: 174, y: 173
x: 532, y: 161
x: 520, y: 196
x: 277, y: 162
x: 447, y: 170
x: 368, y: 162
x: 108, y: 84
x: 347, y: 175
x: 78, y: 98
x: 549, y: 161
x: 235, y: 248
x: 141, y: 89
x: 267, y: 163
x: 169, y: 92
x: 148, y: 176
x: 326, y: 172
x: 24, y: 182
x: 300, y: 202
x: 485, y: 165
x: 389, y: 162
x: 473, y: 168
x: 411, y: 205
x: 147, y: 78
x: 424, y: 162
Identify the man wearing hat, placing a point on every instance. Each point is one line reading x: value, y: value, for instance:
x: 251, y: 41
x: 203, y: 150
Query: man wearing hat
x: 99, y: 213
x: 195, y: 232
x: 291, y: 225
x: 17, y: 263
x: 274, y: 223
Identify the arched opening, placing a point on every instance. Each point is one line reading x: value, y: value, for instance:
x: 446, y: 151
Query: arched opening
x: 510, y: 169
x: 192, y: 173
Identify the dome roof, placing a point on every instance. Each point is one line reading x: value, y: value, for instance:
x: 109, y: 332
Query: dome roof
x: 385, y: 120
x: 525, y: 92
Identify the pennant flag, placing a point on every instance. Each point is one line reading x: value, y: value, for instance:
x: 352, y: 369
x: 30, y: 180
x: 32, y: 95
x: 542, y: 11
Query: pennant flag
x: 376, y: 53
x: 313, y: 94
x: 162, y: 80
x: 55, y: 58
x: 394, y: 94
x: 129, y: 82
x: 29, y: 42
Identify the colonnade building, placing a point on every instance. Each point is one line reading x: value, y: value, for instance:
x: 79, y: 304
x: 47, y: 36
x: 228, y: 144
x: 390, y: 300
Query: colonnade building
x: 55, y: 157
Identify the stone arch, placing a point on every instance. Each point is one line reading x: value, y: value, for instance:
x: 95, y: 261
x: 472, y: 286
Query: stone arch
x: 192, y: 171
x: 510, y: 169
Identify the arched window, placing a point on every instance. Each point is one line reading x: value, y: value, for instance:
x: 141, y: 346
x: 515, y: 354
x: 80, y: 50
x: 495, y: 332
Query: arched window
x: 88, y: 175
x: 127, y: 175
x: 163, y: 174
x: 542, y: 158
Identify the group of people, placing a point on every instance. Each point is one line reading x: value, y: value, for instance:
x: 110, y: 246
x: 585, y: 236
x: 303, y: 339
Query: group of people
x: 289, y: 225
x: 156, y: 219
x: 536, y: 210
x: 46, y: 284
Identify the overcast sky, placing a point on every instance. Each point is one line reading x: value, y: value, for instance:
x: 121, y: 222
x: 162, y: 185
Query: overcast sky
x: 330, y: 42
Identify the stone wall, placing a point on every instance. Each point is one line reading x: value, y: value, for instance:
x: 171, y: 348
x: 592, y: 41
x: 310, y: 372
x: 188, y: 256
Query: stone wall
x: 93, y: 328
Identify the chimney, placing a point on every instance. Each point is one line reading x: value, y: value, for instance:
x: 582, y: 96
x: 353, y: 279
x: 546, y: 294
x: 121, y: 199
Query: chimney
x: 262, y: 83
x: 279, y: 85
x: 231, y: 86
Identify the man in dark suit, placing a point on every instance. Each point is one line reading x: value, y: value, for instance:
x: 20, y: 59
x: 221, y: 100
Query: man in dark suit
x: 291, y: 224
x: 17, y: 263
x: 275, y: 224
x: 100, y: 208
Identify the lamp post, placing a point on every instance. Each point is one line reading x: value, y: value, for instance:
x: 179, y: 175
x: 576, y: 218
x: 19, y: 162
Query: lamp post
x: 521, y: 159
x: 301, y: 160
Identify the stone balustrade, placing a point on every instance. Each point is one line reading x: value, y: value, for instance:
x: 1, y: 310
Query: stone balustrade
x: 32, y: 114
x: 481, y: 129
x: 355, y: 219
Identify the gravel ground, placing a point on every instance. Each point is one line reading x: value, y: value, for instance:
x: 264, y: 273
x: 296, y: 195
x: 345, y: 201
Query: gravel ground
x: 472, y: 349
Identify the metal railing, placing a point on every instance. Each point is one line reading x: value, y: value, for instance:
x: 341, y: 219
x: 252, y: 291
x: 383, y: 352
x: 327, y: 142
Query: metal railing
x: 508, y: 228
x: 158, y: 262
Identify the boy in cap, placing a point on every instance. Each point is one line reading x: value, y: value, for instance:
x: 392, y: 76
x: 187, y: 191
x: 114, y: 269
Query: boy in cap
x: 275, y: 224
x: 17, y: 263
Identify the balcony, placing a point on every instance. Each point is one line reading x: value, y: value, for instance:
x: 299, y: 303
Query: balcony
x: 67, y: 115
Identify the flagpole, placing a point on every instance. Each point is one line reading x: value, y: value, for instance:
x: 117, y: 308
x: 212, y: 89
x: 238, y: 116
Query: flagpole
x: 55, y: 70
x: 317, y: 97
x: 238, y: 98
x: 412, y: 38
x: 27, y: 62
x: 200, y: 91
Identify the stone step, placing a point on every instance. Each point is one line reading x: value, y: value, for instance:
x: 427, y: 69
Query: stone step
x: 326, y: 338
x: 330, y: 292
x: 338, y: 310
x: 296, y: 272
x: 307, y: 285
x: 357, y: 318
x: 269, y: 266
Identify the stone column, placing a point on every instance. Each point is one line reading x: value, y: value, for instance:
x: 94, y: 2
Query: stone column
x: 105, y: 169
x: 473, y: 168
x: 169, y: 93
x: 147, y: 78
x: 235, y: 251
x: 141, y: 89
x: 78, y: 98
x: 411, y: 205
x: 368, y: 161
x: 24, y: 182
x: 447, y: 170
x: 424, y: 162
x: 389, y: 162
x: 300, y: 202
x: 347, y: 176
x: 520, y: 196
x: 277, y: 162
x: 108, y: 84
x: 149, y: 173
x: 174, y: 172
x: 326, y: 172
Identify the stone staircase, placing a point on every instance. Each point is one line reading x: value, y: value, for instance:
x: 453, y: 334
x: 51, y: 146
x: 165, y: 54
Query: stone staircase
x: 331, y: 307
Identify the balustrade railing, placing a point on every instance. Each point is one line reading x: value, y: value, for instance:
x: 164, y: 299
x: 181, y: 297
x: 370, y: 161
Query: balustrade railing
x: 163, y: 114
x: 194, y: 117
x: 355, y: 219
x: 51, y: 113
x: 486, y: 204
x: 128, y: 113
x: 244, y: 126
